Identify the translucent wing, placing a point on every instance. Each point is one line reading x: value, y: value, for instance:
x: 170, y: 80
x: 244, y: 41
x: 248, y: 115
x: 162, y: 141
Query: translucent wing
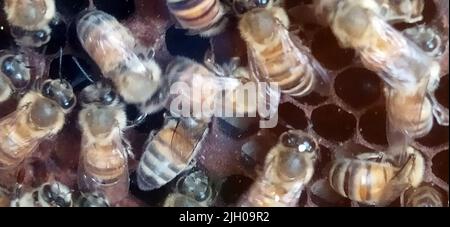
x: 104, y: 168
x: 269, y: 95
x: 187, y: 139
x: 14, y: 146
x: 322, y: 86
x: 400, y: 63
x: 107, y: 42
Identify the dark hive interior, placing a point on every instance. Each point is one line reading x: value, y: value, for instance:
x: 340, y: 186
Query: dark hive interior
x: 353, y: 116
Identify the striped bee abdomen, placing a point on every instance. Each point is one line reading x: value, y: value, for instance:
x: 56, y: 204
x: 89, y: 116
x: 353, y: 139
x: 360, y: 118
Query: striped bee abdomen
x: 205, y: 17
x: 167, y: 155
x: 291, y: 70
x: 411, y: 114
x: 361, y: 181
x: 105, y: 163
x: 106, y: 41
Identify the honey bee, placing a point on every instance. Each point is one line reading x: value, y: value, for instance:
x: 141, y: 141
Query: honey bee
x: 39, y: 116
x: 192, y: 190
x: 170, y: 152
x: 29, y: 20
x: 204, y: 17
x: 104, y: 159
x: 94, y: 199
x: 410, y: 74
x: 275, y: 55
x: 14, y: 74
x: 196, y: 87
x: 423, y: 196
x: 288, y: 167
x: 50, y: 194
x: 136, y: 76
x: 373, y: 179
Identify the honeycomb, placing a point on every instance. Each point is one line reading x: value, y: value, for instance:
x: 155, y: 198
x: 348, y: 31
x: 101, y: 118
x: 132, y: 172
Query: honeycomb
x: 351, y: 120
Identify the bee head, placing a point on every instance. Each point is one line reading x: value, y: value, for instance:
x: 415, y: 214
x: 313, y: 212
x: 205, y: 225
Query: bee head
x: 15, y: 70
x: 293, y: 161
x: 56, y: 194
x: 101, y: 93
x: 61, y: 92
x: 195, y: 185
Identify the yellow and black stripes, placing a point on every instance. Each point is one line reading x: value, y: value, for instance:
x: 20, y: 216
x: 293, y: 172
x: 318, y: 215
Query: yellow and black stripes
x: 205, y: 17
x: 361, y: 181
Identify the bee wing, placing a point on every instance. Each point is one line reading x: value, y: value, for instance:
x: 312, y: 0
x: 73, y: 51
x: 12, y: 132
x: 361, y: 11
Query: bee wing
x: 392, y: 191
x: 398, y: 61
x: 323, y: 85
x: 111, y: 45
x: 115, y: 190
x: 269, y: 95
x: 9, y: 130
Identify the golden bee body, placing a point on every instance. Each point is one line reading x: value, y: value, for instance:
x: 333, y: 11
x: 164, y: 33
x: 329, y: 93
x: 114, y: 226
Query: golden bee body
x: 375, y: 183
x: 114, y: 49
x: 103, y: 159
x: 170, y: 152
x: 289, y: 166
x: 205, y: 17
x: 35, y: 119
x: 30, y: 20
x: 277, y: 56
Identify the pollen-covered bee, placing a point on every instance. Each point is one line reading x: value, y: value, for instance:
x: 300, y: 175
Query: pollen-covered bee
x: 136, y: 76
x: 103, y: 163
x: 51, y: 194
x: 373, y: 179
x: 410, y: 74
x: 204, y: 17
x: 289, y: 166
x: 29, y: 20
x: 193, y: 190
x: 14, y: 74
x: 93, y: 199
x: 423, y: 196
x: 277, y: 56
x: 170, y: 151
x: 39, y: 116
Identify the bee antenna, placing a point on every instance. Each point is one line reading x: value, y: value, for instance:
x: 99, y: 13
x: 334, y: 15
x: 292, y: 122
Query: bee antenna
x: 60, y: 63
x: 82, y: 70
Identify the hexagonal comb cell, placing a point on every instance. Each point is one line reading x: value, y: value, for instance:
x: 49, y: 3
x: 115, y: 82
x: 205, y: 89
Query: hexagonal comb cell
x: 372, y: 125
x: 358, y: 87
x: 293, y: 115
x: 437, y: 136
x: 326, y: 49
x: 440, y: 165
x: 333, y: 123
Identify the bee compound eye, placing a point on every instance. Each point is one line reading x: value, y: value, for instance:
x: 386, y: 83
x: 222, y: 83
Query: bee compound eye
x: 40, y: 35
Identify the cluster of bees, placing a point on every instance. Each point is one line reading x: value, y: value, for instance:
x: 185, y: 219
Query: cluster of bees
x: 405, y: 61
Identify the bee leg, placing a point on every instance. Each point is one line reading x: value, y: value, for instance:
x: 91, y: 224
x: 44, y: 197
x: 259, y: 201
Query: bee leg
x: 379, y: 156
x: 128, y: 147
x: 439, y: 112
